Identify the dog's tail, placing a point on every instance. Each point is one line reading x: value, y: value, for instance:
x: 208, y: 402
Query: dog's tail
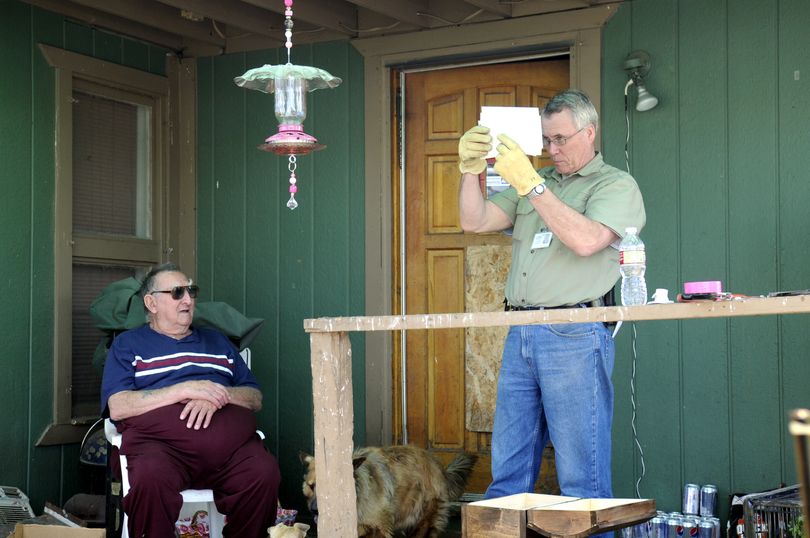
x: 457, y: 473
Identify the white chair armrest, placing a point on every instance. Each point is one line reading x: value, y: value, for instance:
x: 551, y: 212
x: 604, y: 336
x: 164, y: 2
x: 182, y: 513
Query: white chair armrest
x: 111, y: 433
x: 246, y: 355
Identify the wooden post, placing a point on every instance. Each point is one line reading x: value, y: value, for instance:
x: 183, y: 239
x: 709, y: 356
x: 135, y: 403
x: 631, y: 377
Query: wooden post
x: 334, y: 415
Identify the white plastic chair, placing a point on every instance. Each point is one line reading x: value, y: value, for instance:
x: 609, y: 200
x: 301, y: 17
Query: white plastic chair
x: 193, y: 499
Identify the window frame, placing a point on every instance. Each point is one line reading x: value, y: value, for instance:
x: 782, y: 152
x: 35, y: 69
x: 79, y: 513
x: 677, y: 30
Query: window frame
x: 170, y: 186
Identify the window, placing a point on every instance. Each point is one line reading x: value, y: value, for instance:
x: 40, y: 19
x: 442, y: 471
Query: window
x: 113, y: 177
x: 112, y: 202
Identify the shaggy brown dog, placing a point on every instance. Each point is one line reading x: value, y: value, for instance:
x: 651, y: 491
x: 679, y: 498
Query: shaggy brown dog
x: 400, y: 489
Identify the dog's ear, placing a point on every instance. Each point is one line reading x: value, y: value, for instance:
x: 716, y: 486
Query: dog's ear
x: 358, y: 461
x: 304, y: 457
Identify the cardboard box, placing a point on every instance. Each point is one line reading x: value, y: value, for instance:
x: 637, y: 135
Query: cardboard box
x: 25, y: 530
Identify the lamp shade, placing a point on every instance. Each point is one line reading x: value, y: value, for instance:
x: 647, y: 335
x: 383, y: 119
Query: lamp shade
x: 646, y: 100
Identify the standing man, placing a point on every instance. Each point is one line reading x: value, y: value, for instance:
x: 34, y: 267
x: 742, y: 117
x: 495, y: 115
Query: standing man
x: 567, y: 221
x: 184, y: 400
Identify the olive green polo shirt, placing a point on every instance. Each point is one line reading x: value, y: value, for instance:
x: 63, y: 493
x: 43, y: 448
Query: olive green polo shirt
x: 555, y: 275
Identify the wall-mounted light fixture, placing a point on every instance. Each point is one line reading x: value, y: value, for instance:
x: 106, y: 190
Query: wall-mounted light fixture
x: 637, y: 65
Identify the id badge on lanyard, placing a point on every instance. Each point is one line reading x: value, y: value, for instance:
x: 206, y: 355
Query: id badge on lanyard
x: 542, y: 239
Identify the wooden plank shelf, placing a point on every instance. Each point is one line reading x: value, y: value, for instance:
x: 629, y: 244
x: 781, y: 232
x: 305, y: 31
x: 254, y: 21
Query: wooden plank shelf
x: 332, y: 383
x: 749, y: 306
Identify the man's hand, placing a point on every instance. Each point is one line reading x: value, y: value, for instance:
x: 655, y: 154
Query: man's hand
x: 514, y: 166
x: 131, y: 403
x: 473, y: 146
x: 214, y: 393
x: 198, y: 413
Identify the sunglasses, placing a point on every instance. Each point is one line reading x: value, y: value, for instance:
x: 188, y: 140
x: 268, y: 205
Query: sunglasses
x: 179, y: 291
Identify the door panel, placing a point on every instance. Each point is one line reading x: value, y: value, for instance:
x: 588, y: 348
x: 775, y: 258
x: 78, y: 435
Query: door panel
x: 440, y: 105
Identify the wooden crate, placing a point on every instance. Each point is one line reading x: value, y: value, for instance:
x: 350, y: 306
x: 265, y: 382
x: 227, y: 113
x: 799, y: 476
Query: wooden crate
x: 530, y: 515
x: 505, y: 516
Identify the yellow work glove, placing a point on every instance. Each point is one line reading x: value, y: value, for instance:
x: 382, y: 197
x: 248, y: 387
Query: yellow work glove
x: 473, y: 146
x: 515, y: 167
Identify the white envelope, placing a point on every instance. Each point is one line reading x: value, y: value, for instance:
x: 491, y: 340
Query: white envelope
x: 520, y: 123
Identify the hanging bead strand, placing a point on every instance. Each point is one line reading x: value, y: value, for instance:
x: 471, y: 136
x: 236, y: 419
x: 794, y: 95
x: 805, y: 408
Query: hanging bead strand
x: 288, y: 26
x: 292, y: 203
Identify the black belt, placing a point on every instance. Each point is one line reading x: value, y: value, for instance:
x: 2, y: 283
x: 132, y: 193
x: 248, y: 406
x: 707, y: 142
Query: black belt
x: 515, y: 308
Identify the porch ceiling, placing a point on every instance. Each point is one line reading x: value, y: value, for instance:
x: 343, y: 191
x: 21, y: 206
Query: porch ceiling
x: 212, y: 27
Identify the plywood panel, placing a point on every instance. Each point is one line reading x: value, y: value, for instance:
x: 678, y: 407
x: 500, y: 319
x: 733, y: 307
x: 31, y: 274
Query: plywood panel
x: 485, y: 267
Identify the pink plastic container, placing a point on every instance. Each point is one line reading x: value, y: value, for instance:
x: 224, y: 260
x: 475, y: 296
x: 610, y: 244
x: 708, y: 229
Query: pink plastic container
x: 708, y: 286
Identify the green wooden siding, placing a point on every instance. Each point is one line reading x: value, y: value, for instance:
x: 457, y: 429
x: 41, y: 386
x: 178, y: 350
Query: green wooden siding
x: 722, y: 163
x: 26, y: 240
x: 281, y: 265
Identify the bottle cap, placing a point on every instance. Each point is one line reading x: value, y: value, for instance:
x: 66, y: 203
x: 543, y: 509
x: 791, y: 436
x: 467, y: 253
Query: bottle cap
x: 661, y: 296
x: 631, y: 230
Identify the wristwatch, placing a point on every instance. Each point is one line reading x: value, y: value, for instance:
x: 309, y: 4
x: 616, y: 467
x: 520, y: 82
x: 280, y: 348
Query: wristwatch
x: 538, y: 189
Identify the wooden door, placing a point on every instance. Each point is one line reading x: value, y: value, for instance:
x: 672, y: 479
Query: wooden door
x: 440, y: 106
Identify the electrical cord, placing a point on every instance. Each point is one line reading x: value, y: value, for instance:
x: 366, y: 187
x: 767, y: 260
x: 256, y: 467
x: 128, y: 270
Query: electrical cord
x: 375, y: 29
x: 627, y: 128
x: 633, y: 419
x: 633, y: 336
x: 442, y: 19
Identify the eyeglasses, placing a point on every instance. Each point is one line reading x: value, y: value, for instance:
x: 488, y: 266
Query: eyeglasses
x: 179, y: 291
x: 560, y: 140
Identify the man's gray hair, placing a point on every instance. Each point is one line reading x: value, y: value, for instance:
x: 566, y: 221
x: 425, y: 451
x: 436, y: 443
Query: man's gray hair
x: 578, y: 103
x: 148, y: 285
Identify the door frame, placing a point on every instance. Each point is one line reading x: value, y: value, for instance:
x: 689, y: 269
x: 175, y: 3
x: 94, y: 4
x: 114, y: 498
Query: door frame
x: 580, y: 32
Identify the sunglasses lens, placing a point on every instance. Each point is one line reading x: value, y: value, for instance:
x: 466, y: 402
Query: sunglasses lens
x: 179, y: 291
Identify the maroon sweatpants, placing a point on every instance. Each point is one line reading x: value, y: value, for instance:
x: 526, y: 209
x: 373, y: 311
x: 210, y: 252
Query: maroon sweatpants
x: 164, y: 457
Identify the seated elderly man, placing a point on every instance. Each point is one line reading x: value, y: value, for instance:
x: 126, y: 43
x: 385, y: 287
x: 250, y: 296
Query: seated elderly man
x: 184, y: 400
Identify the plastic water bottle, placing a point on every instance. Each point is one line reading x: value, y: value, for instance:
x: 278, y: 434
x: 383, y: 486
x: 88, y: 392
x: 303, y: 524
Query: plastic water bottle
x: 632, y: 264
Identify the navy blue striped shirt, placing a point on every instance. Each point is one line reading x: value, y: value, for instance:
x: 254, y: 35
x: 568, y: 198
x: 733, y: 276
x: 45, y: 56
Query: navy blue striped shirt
x: 143, y: 359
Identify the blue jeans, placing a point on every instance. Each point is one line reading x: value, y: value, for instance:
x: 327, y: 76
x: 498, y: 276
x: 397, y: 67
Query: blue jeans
x: 554, y: 384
